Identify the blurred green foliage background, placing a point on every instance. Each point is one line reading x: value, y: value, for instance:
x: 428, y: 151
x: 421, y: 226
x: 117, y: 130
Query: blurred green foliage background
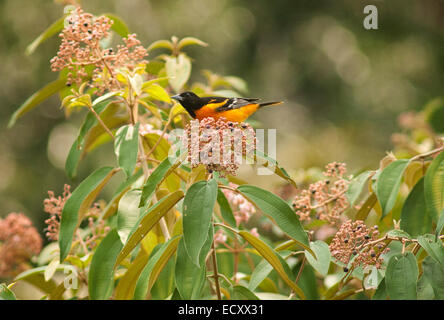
x: 343, y: 85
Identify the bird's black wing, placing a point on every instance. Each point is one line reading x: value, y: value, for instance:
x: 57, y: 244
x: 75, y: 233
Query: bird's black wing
x: 235, y: 103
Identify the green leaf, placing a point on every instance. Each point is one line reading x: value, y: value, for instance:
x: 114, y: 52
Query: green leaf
x: 128, y: 213
x: 148, y: 221
x: 381, y: 291
x: 323, y: 256
x: 398, y: 233
x: 434, y: 187
x: 243, y: 293
x: 279, y: 211
x: 101, y: 272
x: 198, y: 208
x: 6, y: 293
x: 388, y: 184
x: 105, y: 97
x: 225, y: 209
x: 37, y: 98
x: 156, y: 263
x: 154, y: 179
x: 435, y: 249
x: 307, y: 281
x: 52, y: 30
x: 178, y: 70
x: 126, y: 147
x: 187, y: 41
x: 440, y: 224
x: 260, y: 272
x: 356, y: 186
x: 160, y: 44
x: 189, y: 278
x: 77, y: 148
x: 274, y: 259
x: 434, y: 272
x: 78, y: 203
x: 414, y: 217
x: 118, y: 25
x: 112, y: 205
x: 157, y: 92
x: 424, y: 288
x: 401, y: 277
x: 127, y: 284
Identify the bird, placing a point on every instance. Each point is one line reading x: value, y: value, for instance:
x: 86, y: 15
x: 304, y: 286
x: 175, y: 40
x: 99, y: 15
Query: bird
x: 232, y: 109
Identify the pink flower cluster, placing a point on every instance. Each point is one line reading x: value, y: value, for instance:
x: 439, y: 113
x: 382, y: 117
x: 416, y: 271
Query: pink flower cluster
x: 80, y: 52
x: 218, y: 144
x: 324, y: 199
x: 54, y: 206
x: 19, y: 241
x: 352, y: 245
x: 242, y: 208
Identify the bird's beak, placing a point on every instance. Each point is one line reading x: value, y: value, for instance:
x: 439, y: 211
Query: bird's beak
x: 177, y: 97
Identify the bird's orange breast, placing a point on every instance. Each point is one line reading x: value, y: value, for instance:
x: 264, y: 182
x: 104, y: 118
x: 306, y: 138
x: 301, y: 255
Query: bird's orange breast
x: 234, y: 115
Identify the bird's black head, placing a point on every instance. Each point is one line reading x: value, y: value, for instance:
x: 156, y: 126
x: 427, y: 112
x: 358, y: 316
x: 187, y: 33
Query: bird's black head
x: 189, y: 101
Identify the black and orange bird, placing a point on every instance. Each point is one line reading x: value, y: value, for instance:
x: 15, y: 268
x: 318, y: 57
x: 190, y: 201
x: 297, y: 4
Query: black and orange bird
x: 232, y: 109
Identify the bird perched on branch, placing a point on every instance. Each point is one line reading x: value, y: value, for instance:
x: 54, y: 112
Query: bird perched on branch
x: 232, y: 109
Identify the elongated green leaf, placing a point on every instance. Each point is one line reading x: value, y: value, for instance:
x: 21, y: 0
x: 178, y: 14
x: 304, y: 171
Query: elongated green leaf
x: 127, y: 284
x: 440, y: 224
x: 225, y: 209
x: 435, y: 249
x: 160, y: 44
x: 157, y: 92
x: 279, y: 211
x: 243, y: 293
x: 260, y: 272
x: 52, y: 30
x: 434, y: 187
x: 401, y: 277
x: 37, y: 279
x: 274, y: 259
x: 128, y: 213
x: 156, y: 263
x: 37, y: 98
x: 307, y: 281
x: 118, y: 25
x: 197, y: 213
x: 112, y: 205
x: 190, y: 278
x: 153, y: 180
x: 356, y: 186
x: 434, y: 272
x: 388, y: 184
x: 323, y: 256
x: 148, y: 221
x: 190, y: 41
x: 126, y: 147
x: 78, y: 203
x: 414, y: 217
x: 6, y: 293
x: 75, y: 153
x: 101, y: 272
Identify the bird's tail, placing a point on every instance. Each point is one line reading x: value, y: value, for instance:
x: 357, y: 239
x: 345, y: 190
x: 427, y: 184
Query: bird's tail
x: 270, y: 103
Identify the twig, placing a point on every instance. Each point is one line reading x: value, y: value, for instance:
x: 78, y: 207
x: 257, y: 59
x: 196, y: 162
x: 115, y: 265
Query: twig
x: 101, y: 122
x: 216, y: 274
